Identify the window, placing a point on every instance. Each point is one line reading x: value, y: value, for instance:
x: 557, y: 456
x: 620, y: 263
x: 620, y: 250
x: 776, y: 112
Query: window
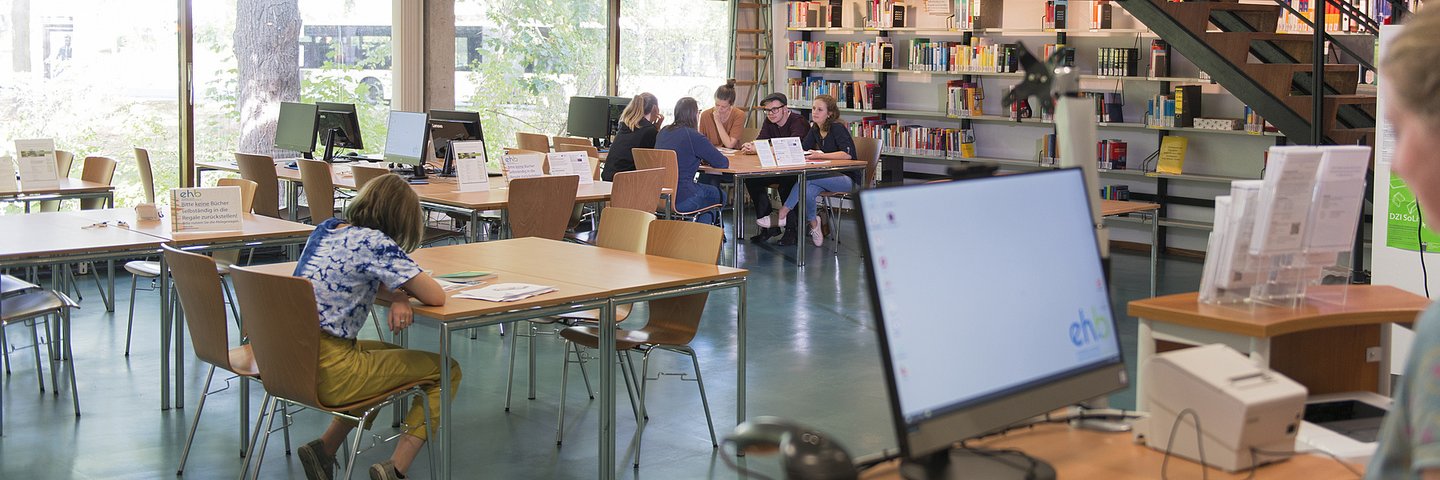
x: 674, y: 49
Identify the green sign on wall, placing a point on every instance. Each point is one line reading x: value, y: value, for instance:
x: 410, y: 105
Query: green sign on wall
x: 1405, y: 221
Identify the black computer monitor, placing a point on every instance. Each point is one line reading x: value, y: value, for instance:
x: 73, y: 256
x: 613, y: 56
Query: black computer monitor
x: 338, y: 127
x: 453, y: 126
x: 589, y: 117
x: 295, y: 130
x: 991, y: 306
x: 617, y: 108
x: 405, y: 137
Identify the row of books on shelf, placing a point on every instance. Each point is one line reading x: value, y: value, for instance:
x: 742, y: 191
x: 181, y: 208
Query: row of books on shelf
x: 1110, y: 154
x: 859, y: 94
x: 1108, y: 106
x: 1115, y: 192
x: 956, y: 57
x: 852, y: 55
x: 1179, y: 109
x: 896, y: 139
x: 818, y: 13
x: 1056, y: 12
x: 1381, y: 11
x: 977, y: 14
x: 887, y: 14
x: 964, y: 98
x: 1119, y: 62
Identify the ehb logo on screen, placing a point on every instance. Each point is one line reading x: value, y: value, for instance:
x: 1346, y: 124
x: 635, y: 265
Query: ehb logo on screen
x: 1089, y: 329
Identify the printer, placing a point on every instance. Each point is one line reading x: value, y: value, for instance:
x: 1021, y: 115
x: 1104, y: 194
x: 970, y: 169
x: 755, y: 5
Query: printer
x: 1240, y: 407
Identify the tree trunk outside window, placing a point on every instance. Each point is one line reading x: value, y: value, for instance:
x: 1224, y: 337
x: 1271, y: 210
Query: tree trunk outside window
x: 267, y: 52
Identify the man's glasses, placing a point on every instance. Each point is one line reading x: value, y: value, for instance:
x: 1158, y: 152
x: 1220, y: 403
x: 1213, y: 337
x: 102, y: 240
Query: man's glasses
x: 771, y: 110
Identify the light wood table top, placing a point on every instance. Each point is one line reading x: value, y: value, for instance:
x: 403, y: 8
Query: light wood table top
x: 750, y: 163
x: 1364, y: 305
x: 1086, y: 454
x: 1110, y: 208
x: 253, y: 227
x: 67, y: 186
x: 46, y: 234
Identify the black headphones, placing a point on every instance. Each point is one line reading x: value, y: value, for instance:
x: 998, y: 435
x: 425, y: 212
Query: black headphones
x: 806, y: 453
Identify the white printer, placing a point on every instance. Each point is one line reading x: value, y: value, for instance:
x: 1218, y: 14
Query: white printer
x: 1239, y: 406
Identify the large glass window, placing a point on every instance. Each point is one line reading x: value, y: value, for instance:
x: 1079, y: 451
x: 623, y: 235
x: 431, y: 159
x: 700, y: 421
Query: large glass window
x: 533, y: 56
x: 96, y: 76
x: 674, y: 49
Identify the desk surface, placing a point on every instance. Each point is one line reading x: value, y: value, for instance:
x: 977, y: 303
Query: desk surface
x: 67, y: 186
x: 578, y: 272
x: 253, y: 227
x: 1364, y: 305
x: 62, y: 233
x: 1110, y: 208
x: 1114, y: 456
x: 749, y: 163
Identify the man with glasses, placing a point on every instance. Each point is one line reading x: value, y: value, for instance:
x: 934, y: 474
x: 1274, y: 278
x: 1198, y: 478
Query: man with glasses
x: 780, y: 122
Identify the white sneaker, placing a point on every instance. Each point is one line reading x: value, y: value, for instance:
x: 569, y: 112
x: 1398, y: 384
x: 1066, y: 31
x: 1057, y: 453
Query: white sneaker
x: 817, y: 236
x: 764, y: 222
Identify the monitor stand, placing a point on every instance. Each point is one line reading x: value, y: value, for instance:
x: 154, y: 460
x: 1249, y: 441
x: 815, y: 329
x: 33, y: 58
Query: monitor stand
x: 417, y: 175
x: 966, y: 464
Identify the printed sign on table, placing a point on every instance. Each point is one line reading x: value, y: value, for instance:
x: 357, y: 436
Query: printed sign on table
x: 7, y: 175
x: 37, y: 163
x: 470, y: 166
x: 524, y: 165
x: 788, y: 151
x: 572, y: 163
x: 215, y: 209
x: 766, y: 154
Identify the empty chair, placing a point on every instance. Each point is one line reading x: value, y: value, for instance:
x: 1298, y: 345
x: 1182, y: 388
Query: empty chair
x: 672, y: 323
x: 559, y: 140
x: 363, y: 174
x: 637, y: 189
x: 199, y: 292
x: 147, y: 175
x: 648, y: 158
x: 540, y: 206
x: 261, y: 170
x: 867, y: 149
x: 30, y: 308
x: 532, y: 141
x: 99, y: 170
x: 319, y: 185
x: 748, y: 135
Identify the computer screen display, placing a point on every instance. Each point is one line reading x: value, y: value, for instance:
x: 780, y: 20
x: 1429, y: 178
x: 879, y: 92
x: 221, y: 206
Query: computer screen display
x: 589, y: 117
x: 453, y: 126
x: 295, y: 130
x: 991, y: 302
x: 341, y: 118
x: 405, y: 137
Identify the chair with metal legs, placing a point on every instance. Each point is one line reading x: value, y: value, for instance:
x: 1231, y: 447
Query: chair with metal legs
x: 284, y: 331
x: 32, y: 308
x: 867, y: 149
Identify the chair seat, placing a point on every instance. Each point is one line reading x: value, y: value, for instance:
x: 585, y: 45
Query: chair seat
x: 699, y: 210
x: 11, y: 285
x: 589, y: 336
x: 835, y: 194
x: 375, y: 400
x: 622, y: 312
x: 242, y: 362
x: 33, y: 304
x: 151, y: 269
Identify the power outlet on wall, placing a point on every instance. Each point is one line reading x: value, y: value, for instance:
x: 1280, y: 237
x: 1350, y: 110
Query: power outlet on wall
x: 1372, y: 354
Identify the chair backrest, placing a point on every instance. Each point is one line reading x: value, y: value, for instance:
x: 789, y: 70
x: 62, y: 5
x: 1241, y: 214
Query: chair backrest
x: 364, y: 174
x: 648, y: 158
x: 261, y: 170
x: 319, y: 189
x: 589, y: 150
x: 532, y: 141
x: 63, y: 161
x: 748, y: 135
x: 868, y: 149
x: 98, y: 170
x: 637, y: 189
x: 559, y: 140
x: 147, y: 176
x: 247, y: 191
x: 284, y: 328
x: 203, y: 301
x: 541, y: 206
x: 624, y: 229
x: 675, y: 320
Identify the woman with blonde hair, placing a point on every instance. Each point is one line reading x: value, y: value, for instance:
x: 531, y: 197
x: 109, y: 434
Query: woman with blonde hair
x: 1410, y: 437
x: 639, y: 124
x: 351, y: 263
x: 828, y: 139
x: 723, y: 122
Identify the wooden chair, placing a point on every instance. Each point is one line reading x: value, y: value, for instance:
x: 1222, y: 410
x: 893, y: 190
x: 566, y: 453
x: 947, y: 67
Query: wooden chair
x: 748, y: 135
x: 559, y: 140
x: 247, y: 191
x: 147, y: 176
x: 319, y: 183
x: 540, y: 206
x: 673, y: 322
x: 261, y: 170
x: 532, y: 141
x: 867, y: 149
x: 32, y: 308
x: 98, y: 170
x: 648, y: 158
x: 620, y: 229
x: 364, y: 174
x: 199, y: 292
x: 284, y: 331
x: 637, y: 189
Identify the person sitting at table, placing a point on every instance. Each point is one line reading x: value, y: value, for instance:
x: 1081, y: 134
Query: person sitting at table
x: 780, y: 122
x: 832, y: 140
x: 639, y: 124
x: 350, y: 263
x: 723, y: 122
x: 691, y: 149
x: 1409, y: 439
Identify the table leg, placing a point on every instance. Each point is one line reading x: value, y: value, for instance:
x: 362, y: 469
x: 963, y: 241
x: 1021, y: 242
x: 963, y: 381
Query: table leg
x: 178, y: 341
x: 474, y: 226
x: 1260, y: 351
x: 607, y: 391
x: 292, y: 199
x: 737, y: 218
x: 740, y: 354
x: 1154, y: 252
x: 505, y: 224
x: 802, y: 230
x: 1386, y: 331
x: 110, y: 199
x: 445, y: 396
x: 164, y: 335
x: 1145, y: 349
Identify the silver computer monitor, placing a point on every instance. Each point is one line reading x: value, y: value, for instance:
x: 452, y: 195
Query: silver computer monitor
x: 990, y: 301
x: 405, y: 138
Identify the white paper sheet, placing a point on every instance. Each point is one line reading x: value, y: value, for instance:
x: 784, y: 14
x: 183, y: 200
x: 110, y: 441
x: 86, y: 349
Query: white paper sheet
x: 7, y: 175
x: 215, y: 209
x: 37, y: 163
x: 766, y: 154
x: 1339, y: 196
x: 788, y: 151
x: 525, y: 165
x: 572, y: 163
x: 470, y: 173
x: 1285, y: 200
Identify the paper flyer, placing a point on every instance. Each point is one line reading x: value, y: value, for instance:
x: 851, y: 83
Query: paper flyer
x: 1285, y: 200
x: 7, y: 175
x: 1339, y: 196
x: 37, y: 163
x: 572, y: 163
x: 787, y: 151
x: 214, y: 209
x: 470, y: 166
x: 524, y: 165
x: 766, y: 154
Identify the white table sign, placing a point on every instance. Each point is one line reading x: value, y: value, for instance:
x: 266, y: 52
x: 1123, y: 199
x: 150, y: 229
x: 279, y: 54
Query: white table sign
x: 524, y: 165
x: 572, y: 163
x: 766, y: 154
x: 37, y: 163
x: 7, y: 175
x: 215, y: 209
x: 787, y: 151
x: 470, y: 166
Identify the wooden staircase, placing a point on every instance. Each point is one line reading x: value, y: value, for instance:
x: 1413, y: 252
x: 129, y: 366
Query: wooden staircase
x: 1236, y: 44
x: 751, y: 55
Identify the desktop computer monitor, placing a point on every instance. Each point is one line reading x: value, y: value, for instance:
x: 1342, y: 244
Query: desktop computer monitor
x: 295, y: 130
x: 405, y: 140
x: 453, y: 126
x: 990, y: 303
x: 617, y: 108
x: 589, y: 117
x: 338, y: 127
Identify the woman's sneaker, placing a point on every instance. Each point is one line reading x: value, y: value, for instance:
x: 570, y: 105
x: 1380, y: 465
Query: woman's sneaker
x: 817, y: 236
x: 384, y: 471
x: 764, y: 222
x: 317, y: 465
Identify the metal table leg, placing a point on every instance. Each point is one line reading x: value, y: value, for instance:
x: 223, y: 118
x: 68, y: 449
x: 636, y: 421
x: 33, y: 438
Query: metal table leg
x: 802, y: 230
x: 164, y: 335
x: 740, y: 353
x: 737, y: 216
x: 445, y: 401
x: 607, y: 391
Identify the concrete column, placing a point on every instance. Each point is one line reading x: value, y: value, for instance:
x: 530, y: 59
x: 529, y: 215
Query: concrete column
x: 440, y: 54
x: 408, y: 56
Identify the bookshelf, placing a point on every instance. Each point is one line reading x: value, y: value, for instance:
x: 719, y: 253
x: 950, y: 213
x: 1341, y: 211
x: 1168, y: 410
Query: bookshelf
x: 918, y: 99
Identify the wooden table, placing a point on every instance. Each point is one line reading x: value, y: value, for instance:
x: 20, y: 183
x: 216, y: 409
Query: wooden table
x: 67, y: 188
x: 1321, y: 344
x: 585, y: 278
x: 1084, y: 454
x: 746, y: 166
x: 1149, y: 211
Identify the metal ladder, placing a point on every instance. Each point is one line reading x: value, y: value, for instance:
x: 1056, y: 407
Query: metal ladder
x: 751, y: 44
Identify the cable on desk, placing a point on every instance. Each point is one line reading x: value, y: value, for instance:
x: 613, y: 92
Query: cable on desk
x: 1199, y: 443
x: 1332, y: 456
x: 1420, y: 242
x: 870, y: 461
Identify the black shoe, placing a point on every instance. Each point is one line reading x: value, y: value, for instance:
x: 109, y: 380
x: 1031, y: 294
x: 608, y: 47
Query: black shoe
x: 765, y: 234
x: 789, y: 238
x: 317, y: 465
